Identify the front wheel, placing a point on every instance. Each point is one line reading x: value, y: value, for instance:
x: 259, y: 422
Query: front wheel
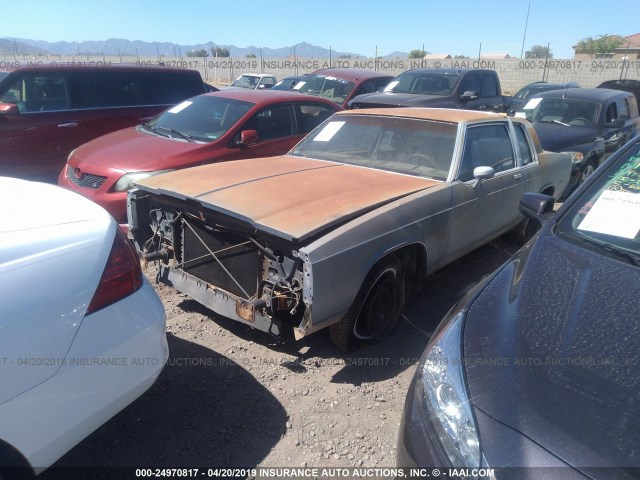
x: 375, y: 310
x: 587, y: 171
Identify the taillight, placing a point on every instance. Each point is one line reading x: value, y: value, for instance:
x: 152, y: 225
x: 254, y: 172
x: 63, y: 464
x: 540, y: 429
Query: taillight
x: 121, y: 277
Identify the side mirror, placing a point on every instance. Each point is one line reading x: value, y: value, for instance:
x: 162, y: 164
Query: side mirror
x: 617, y: 123
x: 9, y: 109
x: 247, y: 137
x: 536, y: 206
x: 483, y: 173
x: 469, y: 95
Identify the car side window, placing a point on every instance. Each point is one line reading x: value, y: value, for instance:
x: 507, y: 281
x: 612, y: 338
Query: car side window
x: 486, y: 146
x: 470, y: 83
x: 267, y: 82
x: 310, y: 115
x: 272, y: 123
x: 488, y: 85
x: 102, y: 89
x: 367, y: 87
x: 623, y: 107
x: 39, y: 92
x: 523, y: 144
x: 612, y: 113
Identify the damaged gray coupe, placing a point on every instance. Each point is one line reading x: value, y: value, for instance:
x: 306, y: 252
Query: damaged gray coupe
x: 341, y: 230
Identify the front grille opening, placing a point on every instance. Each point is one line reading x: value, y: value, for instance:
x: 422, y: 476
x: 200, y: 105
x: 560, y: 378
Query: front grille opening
x: 241, y: 258
x: 85, y: 179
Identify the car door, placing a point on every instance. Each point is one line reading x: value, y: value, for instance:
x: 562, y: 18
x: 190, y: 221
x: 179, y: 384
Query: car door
x: 36, y: 142
x: 276, y: 132
x: 483, y: 209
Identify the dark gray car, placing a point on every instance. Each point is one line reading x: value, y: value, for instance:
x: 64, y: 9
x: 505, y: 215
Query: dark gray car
x: 538, y: 365
x: 522, y: 96
x: 587, y: 123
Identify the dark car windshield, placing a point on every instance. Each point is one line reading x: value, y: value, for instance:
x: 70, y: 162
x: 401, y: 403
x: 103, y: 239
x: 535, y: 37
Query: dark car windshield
x: 2, y: 75
x: 424, y: 83
x: 566, y: 111
x: 404, y: 145
x: 204, y: 118
x: 333, y: 88
x: 607, y: 215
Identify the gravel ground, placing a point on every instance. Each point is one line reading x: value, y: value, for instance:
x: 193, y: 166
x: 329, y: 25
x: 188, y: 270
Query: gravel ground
x: 231, y: 396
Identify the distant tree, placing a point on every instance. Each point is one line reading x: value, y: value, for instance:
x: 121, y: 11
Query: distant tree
x: 219, y: 52
x: 538, y: 51
x: 251, y: 55
x: 601, y: 45
x: 416, y: 54
x: 345, y: 56
x: 460, y: 56
x: 198, y: 53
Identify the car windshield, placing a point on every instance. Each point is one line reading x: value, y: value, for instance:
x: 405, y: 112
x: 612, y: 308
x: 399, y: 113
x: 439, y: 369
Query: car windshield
x: 607, y: 215
x: 332, y: 88
x: 246, y: 81
x: 563, y: 111
x: 405, y: 145
x: 424, y: 83
x: 286, y: 84
x: 3, y: 74
x: 204, y: 118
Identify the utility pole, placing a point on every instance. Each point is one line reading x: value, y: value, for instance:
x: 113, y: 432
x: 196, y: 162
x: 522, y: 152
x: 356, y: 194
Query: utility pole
x: 526, y: 24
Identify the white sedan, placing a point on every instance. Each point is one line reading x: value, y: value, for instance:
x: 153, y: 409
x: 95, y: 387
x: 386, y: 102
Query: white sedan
x: 82, y: 333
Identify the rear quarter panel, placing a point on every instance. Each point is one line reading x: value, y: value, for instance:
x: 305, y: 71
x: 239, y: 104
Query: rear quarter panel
x: 48, y: 277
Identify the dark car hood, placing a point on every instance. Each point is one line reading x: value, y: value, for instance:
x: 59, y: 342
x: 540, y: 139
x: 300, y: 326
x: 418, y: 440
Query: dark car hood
x: 130, y: 150
x: 401, y: 99
x: 558, y: 138
x: 564, y: 321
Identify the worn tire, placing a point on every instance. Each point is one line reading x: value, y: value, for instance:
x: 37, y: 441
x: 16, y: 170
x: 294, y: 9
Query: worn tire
x: 376, y: 309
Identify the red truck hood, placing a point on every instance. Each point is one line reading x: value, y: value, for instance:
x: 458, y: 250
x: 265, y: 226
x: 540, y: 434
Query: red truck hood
x: 130, y: 150
x: 290, y: 197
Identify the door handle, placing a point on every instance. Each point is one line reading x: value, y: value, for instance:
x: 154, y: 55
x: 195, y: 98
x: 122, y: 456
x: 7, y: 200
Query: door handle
x: 517, y: 176
x: 67, y: 124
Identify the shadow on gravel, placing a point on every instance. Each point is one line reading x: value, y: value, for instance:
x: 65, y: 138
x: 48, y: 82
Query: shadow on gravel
x: 203, y: 410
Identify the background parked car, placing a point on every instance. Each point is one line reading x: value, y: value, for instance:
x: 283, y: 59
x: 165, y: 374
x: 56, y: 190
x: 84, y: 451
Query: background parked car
x: 288, y: 83
x: 522, y: 96
x: 631, y: 86
x: 225, y: 125
x: 338, y: 232
x: 471, y: 89
x: 340, y: 85
x: 254, y: 81
x: 538, y: 365
x: 588, y: 123
x: 76, y: 314
x: 47, y: 111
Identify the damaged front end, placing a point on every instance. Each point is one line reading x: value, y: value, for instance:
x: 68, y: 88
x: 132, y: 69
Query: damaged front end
x: 223, y: 263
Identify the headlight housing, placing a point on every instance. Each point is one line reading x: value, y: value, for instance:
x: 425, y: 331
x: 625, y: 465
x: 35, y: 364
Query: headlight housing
x: 443, y: 395
x: 126, y: 182
x: 576, y: 157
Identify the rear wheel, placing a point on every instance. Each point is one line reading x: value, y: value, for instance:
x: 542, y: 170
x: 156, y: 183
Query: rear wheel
x: 375, y: 310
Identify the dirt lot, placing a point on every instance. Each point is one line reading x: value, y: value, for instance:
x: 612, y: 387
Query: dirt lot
x: 235, y: 397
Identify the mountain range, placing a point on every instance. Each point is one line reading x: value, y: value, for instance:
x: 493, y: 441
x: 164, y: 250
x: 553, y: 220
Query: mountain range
x: 139, y: 48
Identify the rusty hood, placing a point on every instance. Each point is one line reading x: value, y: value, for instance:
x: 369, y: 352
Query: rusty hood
x: 290, y: 197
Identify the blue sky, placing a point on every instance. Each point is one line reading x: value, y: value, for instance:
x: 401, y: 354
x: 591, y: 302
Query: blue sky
x: 453, y: 26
